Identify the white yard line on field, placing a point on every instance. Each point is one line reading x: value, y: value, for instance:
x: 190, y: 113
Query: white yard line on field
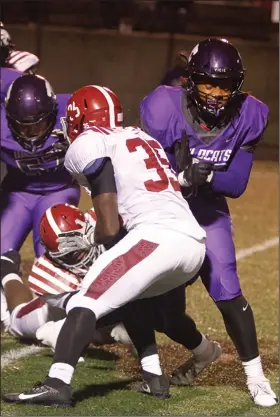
x: 251, y: 250
x: 8, y: 357
x: 14, y: 354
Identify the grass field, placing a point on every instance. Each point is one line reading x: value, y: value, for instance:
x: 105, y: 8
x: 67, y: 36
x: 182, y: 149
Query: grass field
x: 104, y: 383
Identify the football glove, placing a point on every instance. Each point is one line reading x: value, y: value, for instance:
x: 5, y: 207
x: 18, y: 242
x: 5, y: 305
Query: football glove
x: 194, y: 173
x: 198, y: 173
x: 77, y: 240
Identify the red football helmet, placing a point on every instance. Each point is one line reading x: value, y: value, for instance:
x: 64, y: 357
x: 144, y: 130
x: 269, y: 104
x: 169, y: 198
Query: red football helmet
x: 91, y: 106
x: 61, y: 218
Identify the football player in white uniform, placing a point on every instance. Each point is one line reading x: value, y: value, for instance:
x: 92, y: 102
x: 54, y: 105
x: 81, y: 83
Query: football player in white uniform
x: 132, y: 187
x: 58, y: 272
x: 19, y: 60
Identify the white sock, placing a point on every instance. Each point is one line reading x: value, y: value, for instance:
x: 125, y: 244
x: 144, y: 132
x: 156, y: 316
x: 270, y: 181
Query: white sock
x: 11, y: 277
x: 151, y: 364
x: 62, y: 371
x: 201, y: 347
x: 253, y: 370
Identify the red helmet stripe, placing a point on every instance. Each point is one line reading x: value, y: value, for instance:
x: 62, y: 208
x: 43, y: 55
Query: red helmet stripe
x: 110, y: 104
x: 52, y: 222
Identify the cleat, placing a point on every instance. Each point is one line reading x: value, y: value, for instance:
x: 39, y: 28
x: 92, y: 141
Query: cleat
x: 262, y: 394
x: 43, y: 394
x: 157, y: 386
x: 187, y: 373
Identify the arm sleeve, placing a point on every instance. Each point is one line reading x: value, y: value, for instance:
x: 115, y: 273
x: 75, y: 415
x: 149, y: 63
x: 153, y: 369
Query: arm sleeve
x: 102, y: 180
x: 233, y: 182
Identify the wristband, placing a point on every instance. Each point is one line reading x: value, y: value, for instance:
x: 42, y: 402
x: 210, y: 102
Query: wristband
x: 182, y: 180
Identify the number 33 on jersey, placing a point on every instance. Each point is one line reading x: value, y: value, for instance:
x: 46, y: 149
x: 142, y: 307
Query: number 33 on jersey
x: 144, y: 179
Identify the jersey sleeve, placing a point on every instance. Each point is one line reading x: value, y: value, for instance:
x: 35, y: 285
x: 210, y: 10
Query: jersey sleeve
x: 257, y: 119
x: 86, y: 154
x: 159, y: 117
x: 47, y: 278
x: 22, y: 60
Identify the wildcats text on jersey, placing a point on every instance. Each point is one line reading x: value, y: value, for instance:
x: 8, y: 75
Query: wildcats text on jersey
x: 219, y: 157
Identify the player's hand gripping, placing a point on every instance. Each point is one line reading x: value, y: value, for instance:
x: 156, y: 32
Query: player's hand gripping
x: 198, y: 173
x: 77, y: 240
x: 194, y: 173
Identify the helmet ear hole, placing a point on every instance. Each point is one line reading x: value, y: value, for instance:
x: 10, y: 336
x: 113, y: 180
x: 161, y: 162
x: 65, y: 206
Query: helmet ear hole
x: 85, y: 104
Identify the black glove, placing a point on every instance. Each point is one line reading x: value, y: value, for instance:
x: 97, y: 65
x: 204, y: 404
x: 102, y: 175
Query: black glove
x: 62, y: 144
x: 197, y: 174
x: 182, y: 152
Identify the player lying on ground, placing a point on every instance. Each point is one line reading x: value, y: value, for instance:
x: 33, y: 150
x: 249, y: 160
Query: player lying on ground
x: 129, y: 178
x: 57, y: 272
x: 36, y: 178
x: 31, y: 316
x: 222, y: 126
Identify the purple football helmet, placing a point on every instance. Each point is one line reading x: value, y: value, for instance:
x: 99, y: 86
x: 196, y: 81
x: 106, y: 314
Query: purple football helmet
x: 31, y: 110
x: 216, y: 62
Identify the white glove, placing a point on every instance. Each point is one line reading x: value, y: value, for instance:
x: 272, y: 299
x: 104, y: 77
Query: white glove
x: 120, y: 335
x: 76, y: 240
x: 48, y: 334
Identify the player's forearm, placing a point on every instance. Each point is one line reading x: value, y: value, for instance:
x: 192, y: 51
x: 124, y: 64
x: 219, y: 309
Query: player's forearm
x: 233, y: 182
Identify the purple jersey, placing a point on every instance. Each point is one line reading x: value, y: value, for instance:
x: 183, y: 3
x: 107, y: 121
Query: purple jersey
x: 165, y: 116
x: 41, y: 172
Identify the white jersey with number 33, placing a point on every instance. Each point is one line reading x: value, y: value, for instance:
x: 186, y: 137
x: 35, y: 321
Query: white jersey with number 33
x: 148, y: 191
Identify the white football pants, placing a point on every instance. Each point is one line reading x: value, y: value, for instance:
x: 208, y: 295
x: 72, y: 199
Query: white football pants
x: 145, y: 263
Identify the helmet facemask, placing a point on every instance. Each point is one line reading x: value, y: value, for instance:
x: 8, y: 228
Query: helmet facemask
x: 77, y: 262
x: 32, y: 135
x: 208, y: 102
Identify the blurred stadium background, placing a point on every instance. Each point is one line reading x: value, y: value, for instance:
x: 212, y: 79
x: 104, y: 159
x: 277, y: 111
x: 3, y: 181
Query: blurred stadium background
x: 128, y: 45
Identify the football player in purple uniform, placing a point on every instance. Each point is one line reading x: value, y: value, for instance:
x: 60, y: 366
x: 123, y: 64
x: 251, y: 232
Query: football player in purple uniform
x: 209, y: 131
x: 36, y: 178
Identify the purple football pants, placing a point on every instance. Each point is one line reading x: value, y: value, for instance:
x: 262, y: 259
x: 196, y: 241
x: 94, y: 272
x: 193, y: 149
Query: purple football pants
x: 21, y: 212
x: 218, y: 272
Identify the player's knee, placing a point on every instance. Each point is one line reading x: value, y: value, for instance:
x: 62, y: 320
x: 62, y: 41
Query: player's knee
x: 26, y: 319
x: 234, y: 307
x: 79, y: 300
x: 223, y: 287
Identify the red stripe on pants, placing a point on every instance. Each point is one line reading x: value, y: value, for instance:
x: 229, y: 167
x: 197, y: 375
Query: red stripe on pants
x: 31, y: 306
x: 119, y: 267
